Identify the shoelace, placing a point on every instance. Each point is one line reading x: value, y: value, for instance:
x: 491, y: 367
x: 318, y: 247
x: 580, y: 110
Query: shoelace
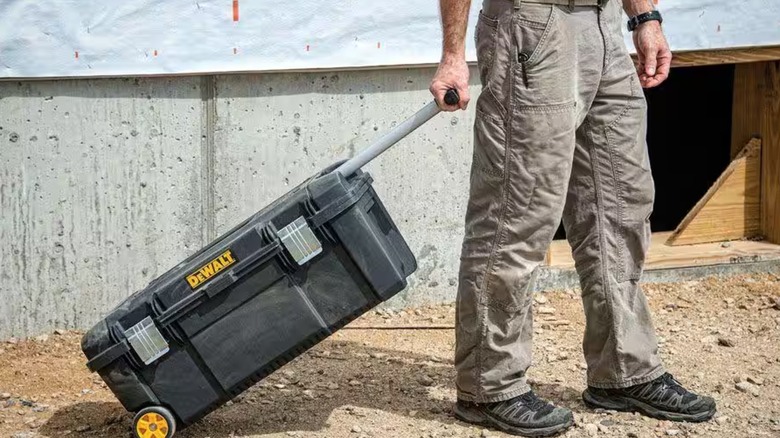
x: 533, y: 402
x: 673, y: 384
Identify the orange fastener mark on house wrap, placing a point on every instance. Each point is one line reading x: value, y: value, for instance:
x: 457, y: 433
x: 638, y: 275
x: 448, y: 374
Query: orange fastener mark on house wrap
x: 235, y: 10
x: 307, y: 47
x: 379, y: 45
x: 155, y: 52
x: 235, y: 50
x: 77, y: 54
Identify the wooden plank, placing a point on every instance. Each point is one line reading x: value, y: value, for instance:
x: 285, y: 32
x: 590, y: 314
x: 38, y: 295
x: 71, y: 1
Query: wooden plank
x: 746, y: 106
x: 725, y: 56
x: 661, y: 256
x: 770, y: 134
x: 730, y: 209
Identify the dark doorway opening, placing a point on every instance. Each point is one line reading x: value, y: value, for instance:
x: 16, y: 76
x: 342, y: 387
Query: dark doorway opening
x: 688, y: 137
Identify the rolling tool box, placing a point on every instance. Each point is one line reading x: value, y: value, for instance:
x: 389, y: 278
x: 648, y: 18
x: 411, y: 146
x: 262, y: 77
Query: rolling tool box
x: 256, y: 297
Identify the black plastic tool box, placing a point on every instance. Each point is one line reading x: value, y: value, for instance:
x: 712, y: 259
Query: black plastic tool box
x: 255, y: 298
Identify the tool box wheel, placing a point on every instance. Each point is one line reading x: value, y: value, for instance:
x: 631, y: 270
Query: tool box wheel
x: 154, y: 422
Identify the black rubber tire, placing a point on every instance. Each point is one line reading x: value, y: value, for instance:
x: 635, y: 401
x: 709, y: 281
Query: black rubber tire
x: 161, y: 411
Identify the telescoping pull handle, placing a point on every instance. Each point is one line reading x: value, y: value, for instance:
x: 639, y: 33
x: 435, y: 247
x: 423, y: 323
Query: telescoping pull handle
x: 396, y: 134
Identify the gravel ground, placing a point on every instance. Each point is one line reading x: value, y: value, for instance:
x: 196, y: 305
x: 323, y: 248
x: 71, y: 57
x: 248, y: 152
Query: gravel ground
x: 718, y: 336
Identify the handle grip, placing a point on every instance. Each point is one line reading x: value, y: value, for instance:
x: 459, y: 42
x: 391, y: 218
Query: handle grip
x: 451, y: 97
x: 396, y: 134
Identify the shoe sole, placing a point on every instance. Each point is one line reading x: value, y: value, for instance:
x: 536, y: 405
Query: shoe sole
x: 626, y: 404
x: 477, y: 417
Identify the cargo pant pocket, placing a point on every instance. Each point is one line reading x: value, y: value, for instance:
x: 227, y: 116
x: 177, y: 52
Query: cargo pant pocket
x: 485, y: 36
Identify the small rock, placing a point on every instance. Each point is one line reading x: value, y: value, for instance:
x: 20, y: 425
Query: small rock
x: 356, y: 429
x: 632, y: 435
x: 546, y: 310
x: 40, y: 408
x: 673, y: 432
x: 583, y: 366
x: 5, y: 396
x: 608, y: 422
x: 378, y: 355
x: 280, y: 386
x: 485, y: 433
x: 229, y: 403
x: 86, y: 391
x: 602, y: 428
x: 354, y: 383
x: 12, y: 341
x: 748, y: 388
x: 424, y: 380
x: 722, y: 420
x: 333, y: 386
x: 541, y: 299
x: 725, y: 342
x: 82, y: 428
x: 59, y: 332
x: 291, y: 433
x: 26, y: 403
x: 42, y: 338
x: 591, y: 429
x: 740, y: 378
x: 755, y: 380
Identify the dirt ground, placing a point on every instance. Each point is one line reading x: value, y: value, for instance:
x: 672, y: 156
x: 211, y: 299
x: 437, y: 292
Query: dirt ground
x: 384, y: 382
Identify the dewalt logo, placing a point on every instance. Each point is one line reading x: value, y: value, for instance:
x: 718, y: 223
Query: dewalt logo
x: 211, y: 269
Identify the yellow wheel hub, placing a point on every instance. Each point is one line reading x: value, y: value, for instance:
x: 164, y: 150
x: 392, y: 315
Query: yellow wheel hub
x: 152, y: 425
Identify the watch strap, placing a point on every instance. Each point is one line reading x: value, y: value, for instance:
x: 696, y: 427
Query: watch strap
x: 633, y: 22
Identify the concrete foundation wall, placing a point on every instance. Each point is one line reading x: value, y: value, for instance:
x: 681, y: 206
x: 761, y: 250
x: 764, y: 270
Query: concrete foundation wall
x: 107, y: 183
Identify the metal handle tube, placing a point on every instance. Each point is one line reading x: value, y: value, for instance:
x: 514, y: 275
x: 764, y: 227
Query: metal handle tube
x: 394, y: 136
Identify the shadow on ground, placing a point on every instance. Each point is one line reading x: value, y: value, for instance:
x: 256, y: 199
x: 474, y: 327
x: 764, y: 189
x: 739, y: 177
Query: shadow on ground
x: 305, y: 393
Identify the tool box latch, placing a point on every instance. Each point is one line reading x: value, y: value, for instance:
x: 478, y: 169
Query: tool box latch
x: 147, y: 341
x: 300, y: 241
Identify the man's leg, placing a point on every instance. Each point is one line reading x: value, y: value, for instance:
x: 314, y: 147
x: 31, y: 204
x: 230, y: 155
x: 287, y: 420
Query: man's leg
x: 607, y: 223
x: 524, y: 142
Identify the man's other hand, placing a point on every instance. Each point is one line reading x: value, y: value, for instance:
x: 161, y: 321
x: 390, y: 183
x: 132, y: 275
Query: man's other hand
x: 653, y: 52
x: 452, y: 73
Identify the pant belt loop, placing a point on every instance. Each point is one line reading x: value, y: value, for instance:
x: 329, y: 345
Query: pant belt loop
x: 517, y: 4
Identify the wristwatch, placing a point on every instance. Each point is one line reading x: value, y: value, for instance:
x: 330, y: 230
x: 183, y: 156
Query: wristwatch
x: 643, y: 18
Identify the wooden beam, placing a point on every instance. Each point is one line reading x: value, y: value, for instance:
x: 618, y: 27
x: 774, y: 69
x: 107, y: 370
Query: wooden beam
x: 730, y: 209
x: 769, y: 84
x: 662, y: 256
x: 725, y: 56
x: 746, y: 105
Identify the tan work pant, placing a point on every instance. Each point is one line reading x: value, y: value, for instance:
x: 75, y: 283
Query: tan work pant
x: 559, y: 133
